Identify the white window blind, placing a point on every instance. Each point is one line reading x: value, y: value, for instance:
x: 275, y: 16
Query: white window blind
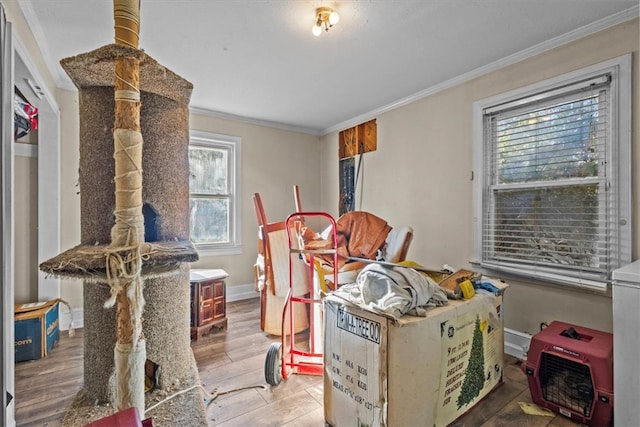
x: 551, y: 191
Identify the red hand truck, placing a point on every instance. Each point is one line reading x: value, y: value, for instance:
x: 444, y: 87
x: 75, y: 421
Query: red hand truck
x: 286, y: 357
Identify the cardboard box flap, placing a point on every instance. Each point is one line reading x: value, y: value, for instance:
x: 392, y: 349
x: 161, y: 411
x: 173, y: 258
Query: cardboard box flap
x: 34, y: 306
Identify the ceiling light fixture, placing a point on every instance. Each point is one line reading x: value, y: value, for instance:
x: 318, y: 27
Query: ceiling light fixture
x: 325, y: 19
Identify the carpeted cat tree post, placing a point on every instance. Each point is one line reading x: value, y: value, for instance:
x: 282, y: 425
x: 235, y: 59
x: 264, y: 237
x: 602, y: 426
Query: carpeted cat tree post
x: 135, y: 248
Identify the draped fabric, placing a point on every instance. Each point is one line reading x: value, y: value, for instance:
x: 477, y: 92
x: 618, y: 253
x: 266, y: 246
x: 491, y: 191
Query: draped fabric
x: 359, y: 234
x: 394, y: 291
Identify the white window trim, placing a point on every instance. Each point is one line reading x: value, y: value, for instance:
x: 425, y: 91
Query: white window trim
x: 620, y: 68
x: 234, y: 247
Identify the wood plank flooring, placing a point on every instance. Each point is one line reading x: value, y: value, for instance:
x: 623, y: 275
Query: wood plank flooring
x: 234, y: 359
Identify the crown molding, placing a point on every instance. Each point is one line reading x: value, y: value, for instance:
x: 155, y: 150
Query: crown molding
x: 578, y: 33
x: 250, y: 120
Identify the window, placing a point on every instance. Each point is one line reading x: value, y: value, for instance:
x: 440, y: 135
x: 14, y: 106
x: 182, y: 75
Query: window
x: 553, y: 196
x: 214, y: 199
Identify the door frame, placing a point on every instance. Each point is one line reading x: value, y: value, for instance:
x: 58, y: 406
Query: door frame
x: 7, y: 222
x: 16, y: 66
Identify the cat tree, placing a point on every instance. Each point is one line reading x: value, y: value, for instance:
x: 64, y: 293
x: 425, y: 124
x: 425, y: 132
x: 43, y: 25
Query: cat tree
x: 135, y: 264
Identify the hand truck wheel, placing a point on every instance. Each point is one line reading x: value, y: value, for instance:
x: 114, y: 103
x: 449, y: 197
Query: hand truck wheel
x: 273, y: 364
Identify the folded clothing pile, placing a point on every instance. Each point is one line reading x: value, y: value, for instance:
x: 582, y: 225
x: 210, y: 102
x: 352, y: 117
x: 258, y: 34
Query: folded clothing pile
x: 394, y: 291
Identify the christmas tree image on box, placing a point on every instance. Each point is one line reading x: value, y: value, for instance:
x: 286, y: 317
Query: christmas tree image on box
x: 474, y: 378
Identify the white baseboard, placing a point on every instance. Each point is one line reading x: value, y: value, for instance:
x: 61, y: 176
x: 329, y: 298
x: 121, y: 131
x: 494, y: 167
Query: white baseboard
x: 234, y: 293
x: 241, y: 292
x: 516, y: 343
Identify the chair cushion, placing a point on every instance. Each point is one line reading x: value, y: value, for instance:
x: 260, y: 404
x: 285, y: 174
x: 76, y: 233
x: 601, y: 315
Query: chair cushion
x: 395, y: 241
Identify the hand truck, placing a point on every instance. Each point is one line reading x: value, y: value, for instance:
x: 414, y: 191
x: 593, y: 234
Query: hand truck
x: 285, y: 358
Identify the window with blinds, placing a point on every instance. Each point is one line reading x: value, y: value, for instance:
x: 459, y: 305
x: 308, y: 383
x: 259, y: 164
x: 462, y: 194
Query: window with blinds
x: 551, y: 193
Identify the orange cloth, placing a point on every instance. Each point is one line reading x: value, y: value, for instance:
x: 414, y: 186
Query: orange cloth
x: 359, y: 234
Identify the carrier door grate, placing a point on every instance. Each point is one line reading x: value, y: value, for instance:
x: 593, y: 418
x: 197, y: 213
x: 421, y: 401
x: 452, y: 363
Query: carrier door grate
x: 566, y: 383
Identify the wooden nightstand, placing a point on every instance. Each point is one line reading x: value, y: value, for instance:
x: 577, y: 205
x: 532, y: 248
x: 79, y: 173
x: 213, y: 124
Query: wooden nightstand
x: 208, y: 301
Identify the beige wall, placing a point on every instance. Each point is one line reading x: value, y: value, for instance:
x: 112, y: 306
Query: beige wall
x: 26, y: 229
x: 420, y: 175
x: 273, y: 160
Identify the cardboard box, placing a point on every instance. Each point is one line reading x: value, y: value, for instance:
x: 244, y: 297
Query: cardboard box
x: 36, y: 329
x: 416, y: 371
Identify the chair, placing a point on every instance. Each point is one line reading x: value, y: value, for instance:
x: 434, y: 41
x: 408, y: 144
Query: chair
x: 394, y: 250
x: 271, y: 273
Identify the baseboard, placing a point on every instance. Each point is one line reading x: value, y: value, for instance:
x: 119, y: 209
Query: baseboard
x: 241, y: 292
x: 516, y: 343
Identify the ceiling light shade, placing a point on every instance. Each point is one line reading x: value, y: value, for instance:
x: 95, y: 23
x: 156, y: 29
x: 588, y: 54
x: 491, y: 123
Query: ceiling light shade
x: 325, y: 19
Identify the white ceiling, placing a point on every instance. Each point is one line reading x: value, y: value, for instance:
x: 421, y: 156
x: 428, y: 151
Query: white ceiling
x: 259, y: 61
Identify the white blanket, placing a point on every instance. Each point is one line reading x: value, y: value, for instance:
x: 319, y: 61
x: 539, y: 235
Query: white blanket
x: 395, y: 291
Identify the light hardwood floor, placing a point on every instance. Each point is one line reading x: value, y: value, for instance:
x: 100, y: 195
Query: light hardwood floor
x: 234, y: 359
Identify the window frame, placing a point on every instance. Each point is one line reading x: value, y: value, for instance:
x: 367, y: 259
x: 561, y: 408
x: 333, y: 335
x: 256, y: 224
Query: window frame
x: 232, y: 144
x: 620, y: 173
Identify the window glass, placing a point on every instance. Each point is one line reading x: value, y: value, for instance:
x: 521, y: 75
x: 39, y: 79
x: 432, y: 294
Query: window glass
x: 556, y: 225
x: 209, y: 220
x: 214, y: 197
x: 556, y: 142
x: 209, y: 172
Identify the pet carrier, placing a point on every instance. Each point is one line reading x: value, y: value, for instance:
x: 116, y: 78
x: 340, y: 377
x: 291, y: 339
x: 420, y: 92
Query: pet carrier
x: 570, y: 371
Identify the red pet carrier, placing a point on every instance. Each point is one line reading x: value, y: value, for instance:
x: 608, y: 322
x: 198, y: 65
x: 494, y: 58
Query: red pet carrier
x: 570, y: 371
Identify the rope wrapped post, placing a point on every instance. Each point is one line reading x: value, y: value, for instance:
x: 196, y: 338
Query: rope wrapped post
x: 123, y: 259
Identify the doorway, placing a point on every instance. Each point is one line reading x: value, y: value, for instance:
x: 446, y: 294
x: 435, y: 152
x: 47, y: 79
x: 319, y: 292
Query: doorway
x: 37, y: 168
